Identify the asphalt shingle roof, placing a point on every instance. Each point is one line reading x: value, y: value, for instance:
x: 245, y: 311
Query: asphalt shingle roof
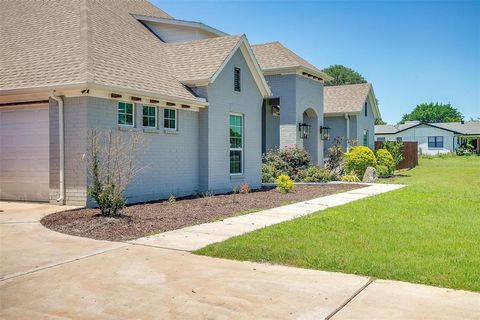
x: 345, y: 98
x: 61, y: 42
x: 199, y: 60
x: 467, y: 128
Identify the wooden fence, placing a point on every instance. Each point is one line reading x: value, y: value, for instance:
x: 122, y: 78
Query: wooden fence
x: 409, y: 152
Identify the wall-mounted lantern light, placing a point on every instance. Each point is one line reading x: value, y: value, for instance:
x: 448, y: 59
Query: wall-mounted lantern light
x: 325, y: 133
x: 304, y: 130
x: 275, y: 111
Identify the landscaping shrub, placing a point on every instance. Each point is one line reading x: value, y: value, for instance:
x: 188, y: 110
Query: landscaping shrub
x: 358, y: 159
x: 315, y: 174
x: 349, y: 178
x: 395, y: 148
x: 385, y: 159
x: 383, y: 171
x: 289, y: 161
x: 244, y: 188
x: 335, y: 157
x: 269, y: 173
x: 284, y: 183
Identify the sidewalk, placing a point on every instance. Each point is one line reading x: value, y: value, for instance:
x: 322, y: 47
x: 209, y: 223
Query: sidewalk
x: 199, y: 236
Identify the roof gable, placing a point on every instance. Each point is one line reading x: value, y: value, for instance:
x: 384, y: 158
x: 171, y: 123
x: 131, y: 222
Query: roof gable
x: 274, y: 56
x: 349, y: 99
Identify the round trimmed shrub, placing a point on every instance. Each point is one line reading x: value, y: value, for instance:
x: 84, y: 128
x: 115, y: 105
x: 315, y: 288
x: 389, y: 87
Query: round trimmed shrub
x: 269, y: 173
x: 358, y: 159
x: 284, y: 183
x: 385, y: 158
x: 383, y: 171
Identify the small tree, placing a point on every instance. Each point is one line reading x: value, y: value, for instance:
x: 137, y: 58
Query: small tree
x: 433, y: 112
x: 112, y: 163
x: 395, y: 148
x: 342, y: 75
x: 335, y: 157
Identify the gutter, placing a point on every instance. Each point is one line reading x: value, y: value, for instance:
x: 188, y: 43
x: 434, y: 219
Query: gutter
x: 348, y: 131
x: 61, y: 138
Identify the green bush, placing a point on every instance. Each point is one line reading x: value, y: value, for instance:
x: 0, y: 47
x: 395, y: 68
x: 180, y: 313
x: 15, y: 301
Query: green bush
x: 315, y: 174
x: 383, y: 171
x: 284, y: 183
x: 289, y: 161
x: 385, y: 159
x: 358, y: 159
x: 349, y: 178
x: 395, y: 148
x: 269, y: 173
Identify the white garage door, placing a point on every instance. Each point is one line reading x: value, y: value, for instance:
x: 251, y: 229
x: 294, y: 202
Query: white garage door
x: 24, y: 153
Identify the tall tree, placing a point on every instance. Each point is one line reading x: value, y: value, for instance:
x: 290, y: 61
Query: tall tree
x: 433, y: 112
x: 342, y: 75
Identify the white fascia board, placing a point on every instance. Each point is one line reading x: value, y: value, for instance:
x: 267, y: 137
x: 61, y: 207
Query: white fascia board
x: 183, y: 23
x: 373, y: 103
x: 75, y: 90
x: 252, y: 63
x: 339, y: 114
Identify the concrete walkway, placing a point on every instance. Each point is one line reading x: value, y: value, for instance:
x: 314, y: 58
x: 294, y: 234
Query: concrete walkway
x: 46, y: 274
x: 199, y: 236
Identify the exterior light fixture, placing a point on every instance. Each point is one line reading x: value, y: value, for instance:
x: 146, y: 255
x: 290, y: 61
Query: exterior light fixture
x: 275, y: 111
x: 304, y: 130
x: 325, y: 133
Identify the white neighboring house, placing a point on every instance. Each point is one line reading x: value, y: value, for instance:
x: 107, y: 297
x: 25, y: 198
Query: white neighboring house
x: 432, y: 138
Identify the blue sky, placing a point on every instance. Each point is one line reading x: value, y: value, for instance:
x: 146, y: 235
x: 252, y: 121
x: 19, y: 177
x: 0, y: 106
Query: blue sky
x: 412, y: 52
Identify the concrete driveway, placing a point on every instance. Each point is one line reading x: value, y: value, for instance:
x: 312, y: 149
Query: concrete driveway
x: 50, y: 275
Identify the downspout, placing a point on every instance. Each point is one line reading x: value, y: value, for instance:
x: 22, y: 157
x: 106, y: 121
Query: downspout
x: 61, y: 141
x: 348, y: 131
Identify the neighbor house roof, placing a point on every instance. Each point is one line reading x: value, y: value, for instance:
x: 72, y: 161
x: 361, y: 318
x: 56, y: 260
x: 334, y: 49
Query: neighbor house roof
x: 100, y: 42
x: 275, y: 56
x: 465, y: 128
x: 348, y: 98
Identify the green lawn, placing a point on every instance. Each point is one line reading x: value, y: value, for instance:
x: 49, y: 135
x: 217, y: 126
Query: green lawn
x: 427, y: 232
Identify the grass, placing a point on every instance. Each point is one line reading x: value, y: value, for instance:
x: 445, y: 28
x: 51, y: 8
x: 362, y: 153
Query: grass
x: 427, y: 232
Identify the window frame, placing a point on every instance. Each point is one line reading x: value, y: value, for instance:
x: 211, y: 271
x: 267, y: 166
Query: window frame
x: 237, y: 70
x: 175, y: 119
x: 436, y: 142
x: 155, y: 117
x: 242, y: 144
x: 399, y: 139
x: 133, y: 115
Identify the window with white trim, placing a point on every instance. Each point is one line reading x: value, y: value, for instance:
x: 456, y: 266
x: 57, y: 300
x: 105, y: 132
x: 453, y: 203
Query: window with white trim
x: 365, y: 138
x: 236, y: 144
x: 435, y: 142
x: 149, y: 116
x: 125, y: 114
x: 170, y: 119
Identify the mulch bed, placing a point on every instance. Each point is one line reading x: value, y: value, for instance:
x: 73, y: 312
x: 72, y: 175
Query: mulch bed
x: 144, y: 219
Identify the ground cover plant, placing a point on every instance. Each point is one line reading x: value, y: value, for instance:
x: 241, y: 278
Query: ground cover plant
x: 427, y: 232
x: 139, y: 220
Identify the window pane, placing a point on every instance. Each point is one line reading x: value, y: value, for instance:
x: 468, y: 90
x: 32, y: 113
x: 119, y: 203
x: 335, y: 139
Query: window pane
x: 145, y: 122
x: 129, y: 108
x: 165, y: 123
x: 235, y: 162
x: 129, y: 119
x: 431, y: 139
x: 172, y: 124
x: 152, y: 111
x: 121, y: 118
x: 121, y: 107
x: 145, y: 111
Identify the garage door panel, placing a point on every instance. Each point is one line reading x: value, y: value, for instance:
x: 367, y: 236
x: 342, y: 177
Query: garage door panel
x: 24, y: 156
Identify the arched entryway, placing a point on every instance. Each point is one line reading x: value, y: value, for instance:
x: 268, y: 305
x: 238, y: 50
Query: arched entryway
x: 311, y: 142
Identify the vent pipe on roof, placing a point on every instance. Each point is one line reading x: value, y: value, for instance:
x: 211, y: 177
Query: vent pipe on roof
x: 61, y: 142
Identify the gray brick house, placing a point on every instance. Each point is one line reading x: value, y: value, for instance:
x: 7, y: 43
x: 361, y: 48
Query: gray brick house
x: 131, y: 67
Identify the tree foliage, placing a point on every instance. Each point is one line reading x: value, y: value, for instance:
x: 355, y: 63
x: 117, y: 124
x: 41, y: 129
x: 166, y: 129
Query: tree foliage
x: 433, y: 112
x: 379, y: 121
x: 342, y: 75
